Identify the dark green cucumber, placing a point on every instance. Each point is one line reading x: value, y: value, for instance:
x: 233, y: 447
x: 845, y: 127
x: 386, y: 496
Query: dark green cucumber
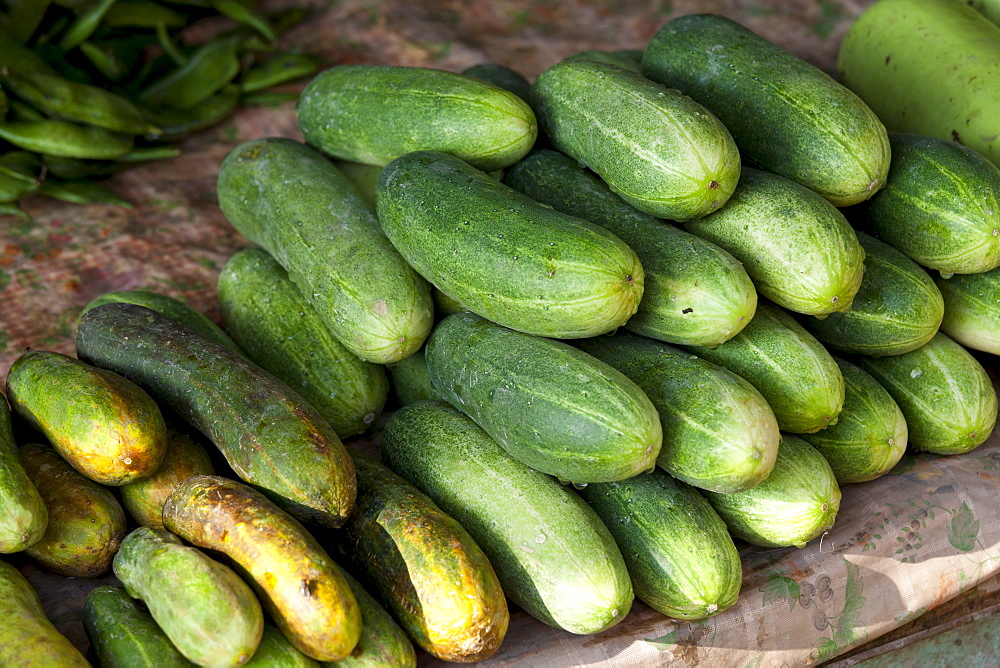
x: 695, y: 292
x: 279, y: 330
x: 946, y: 396
x: 679, y: 554
x: 553, y: 556
x: 274, y: 651
x: 793, y: 505
x: 627, y: 60
x: 798, y: 248
x: 364, y: 177
x: 411, y: 381
x: 268, y: 433
x: 382, y: 644
x: 503, y: 255
x: 446, y: 305
x: 604, y: 116
x: 501, y: 76
x: 870, y: 435
x: 940, y: 205
x: 23, y: 515
x: 785, y: 115
x: 376, y: 113
x: 551, y: 406
x: 174, y: 309
x: 972, y: 309
x: 125, y: 636
x: 290, y: 200
x: 897, y: 308
x: 718, y: 431
x: 793, y: 370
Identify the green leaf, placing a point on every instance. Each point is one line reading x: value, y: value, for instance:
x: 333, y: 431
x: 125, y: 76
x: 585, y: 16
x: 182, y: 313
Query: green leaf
x: 780, y: 586
x: 964, y: 529
x: 826, y: 648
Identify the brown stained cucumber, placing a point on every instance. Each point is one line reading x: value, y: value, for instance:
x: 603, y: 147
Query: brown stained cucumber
x: 125, y: 636
x: 23, y: 515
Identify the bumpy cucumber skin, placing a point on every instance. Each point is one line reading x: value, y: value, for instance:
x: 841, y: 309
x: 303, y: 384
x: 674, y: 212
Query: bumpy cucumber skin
x: 502, y: 77
x: 870, y: 435
x: 426, y: 569
x: 695, y: 293
x: 786, y: 116
x: 604, y: 116
x: 626, y: 60
x: 23, y: 515
x: 940, y: 205
x: 411, y: 381
x: 503, y: 255
x: 281, y: 331
x: 275, y: 651
x: 123, y: 636
x: 788, y: 366
x: 109, y: 429
x: 793, y: 505
x: 554, y: 557
x: 376, y: 113
x: 798, y: 248
x: 897, y: 308
x: 268, y: 433
x: 679, y: 554
x: 28, y: 638
x: 551, y: 406
x: 972, y: 309
x: 946, y: 396
x: 290, y: 200
x: 298, y: 583
x: 144, y: 499
x: 86, y: 524
x: 718, y: 431
x: 210, y: 615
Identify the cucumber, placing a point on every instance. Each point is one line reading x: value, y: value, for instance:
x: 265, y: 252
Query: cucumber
x: 424, y: 567
x: 679, y: 554
x: 105, y: 426
x: 551, y: 406
x: 364, y: 177
x: 290, y: 200
x: 604, y: 116
x: 445, y: 305
x: 503, y: 255
x: 793, y: 505
x: 786, y: 116
x: 123, y: 635
x: 411, y: 381
x: 798, y: 248
x: 972, y: 309
x: 269, y: 435
x: 376, y: 113
x: 23, y: 515
x: 627, y: 60
x: 695, y: 292
x: 192, y: 598
x: 274, y: 651
x: 382, y: 642
x: 27, y: 637
x: 870, y: 435
x: 946, y: 396
x: 553, y: 556
x: 297, y: 582
x: 718, y: 431
x: 897, y: 308
x: 940, y: 205
x: 501, y: 76
x: 790, y: 368
x: 281, y: 331
x: 86, y: 524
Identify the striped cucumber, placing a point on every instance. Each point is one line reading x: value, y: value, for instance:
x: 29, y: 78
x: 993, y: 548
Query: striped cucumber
x: 972, y: 309
x: 123, y: 635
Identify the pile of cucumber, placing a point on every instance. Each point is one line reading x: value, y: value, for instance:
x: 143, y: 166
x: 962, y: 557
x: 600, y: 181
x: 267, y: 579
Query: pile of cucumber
x: 591, y: 403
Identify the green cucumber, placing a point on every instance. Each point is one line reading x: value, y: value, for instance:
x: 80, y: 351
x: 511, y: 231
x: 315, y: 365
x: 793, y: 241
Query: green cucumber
x: 275, y: 651
x: 290, y: 200
x: 411, y: 381
x: 503, y: 255
x: 501, y: 76
x: 798, y: 248
x: 940, y: 205
x: 269, y: 435
x: 972, y: 309
x: 553, y: 556
x: 718, y: 431
x: 793, y: 505
x: 364, y: 177
x: 23, y: 515
x: 946, y: 396
x: 376, y: 113
x: 281, y: 331
x: 695, y: 292
x: 627, y: 60
x: 870, y: 435
x: 604, y: 116
x: 446, y: 305
x: 679, y: 554
x: 551, y: 406
x: 897, y: 308
x: 786, y: 116
x: 125, y: 636
x: 793, y: 370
